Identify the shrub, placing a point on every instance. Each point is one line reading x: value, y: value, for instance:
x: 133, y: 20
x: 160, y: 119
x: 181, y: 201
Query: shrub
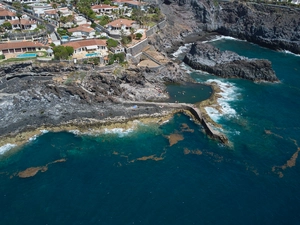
x: 138, y: 36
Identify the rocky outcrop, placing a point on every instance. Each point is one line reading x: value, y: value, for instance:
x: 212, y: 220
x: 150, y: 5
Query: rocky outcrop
x: 78, y: 92
x: 228, y: 64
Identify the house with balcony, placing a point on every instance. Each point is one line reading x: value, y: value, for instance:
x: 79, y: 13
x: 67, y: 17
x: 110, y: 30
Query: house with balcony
x: 23, y: 24
x: 84, y: 31
x: 134, y: 4
x: 116, y: 26
x: 21, y: 46
x: 80, y: 20
x: 84, y: 48
x: 104, y: 9
x: 6, y: 15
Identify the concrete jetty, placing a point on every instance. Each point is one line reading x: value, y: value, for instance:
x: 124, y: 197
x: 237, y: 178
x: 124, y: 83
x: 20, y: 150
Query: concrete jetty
x: 195, y: 113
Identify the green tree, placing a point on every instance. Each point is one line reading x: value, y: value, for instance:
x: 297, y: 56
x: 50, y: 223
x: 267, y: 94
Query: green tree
x: 54, y: 6
x: 7, y: 25
x: 17, y: 5
x: 70, y: 50
x: 138, y: 36
x: 132, y: 31
x: 59, y: 14
x: 124, y: 39
x: 62, y: 52
x: 111, y: 43
x: 19, y: 15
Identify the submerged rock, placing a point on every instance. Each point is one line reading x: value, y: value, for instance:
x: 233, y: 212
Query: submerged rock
x: 228, y: 64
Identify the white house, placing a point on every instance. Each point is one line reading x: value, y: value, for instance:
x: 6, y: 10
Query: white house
x: 24, y: 24
x: 82, y: 31
x: 88, y: 45
x: 116, y: 26
x: 100, y: 9
x: 79, y: 20
x: 5, y: 15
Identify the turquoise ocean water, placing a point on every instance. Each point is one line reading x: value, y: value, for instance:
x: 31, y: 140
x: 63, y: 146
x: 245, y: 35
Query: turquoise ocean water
x: 137, y: 177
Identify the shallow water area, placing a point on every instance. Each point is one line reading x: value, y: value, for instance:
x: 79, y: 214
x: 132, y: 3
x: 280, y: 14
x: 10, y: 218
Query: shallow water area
x: 188, y: 93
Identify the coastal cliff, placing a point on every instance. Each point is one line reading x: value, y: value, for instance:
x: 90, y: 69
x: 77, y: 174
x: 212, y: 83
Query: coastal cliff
x: 272, y: 26
x: 228, y: 64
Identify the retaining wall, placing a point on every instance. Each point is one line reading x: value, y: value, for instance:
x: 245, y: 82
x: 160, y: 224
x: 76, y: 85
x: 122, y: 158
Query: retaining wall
x: 156, y: 28
x: 138, y: 48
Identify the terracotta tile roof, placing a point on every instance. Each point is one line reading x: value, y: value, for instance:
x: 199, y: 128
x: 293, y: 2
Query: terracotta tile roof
x: 84, y: 43
x: 5, y: 12
x: 50, y: 12
x: 120, y: 22
x: 134, y: 2
x: 23, y: 22
x: 20, y: 44
x: 81, y: 28
x: 103, y: 6
x: 119, y: 1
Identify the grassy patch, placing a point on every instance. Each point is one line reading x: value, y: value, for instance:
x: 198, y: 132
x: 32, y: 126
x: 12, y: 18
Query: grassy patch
x: 16, y: 60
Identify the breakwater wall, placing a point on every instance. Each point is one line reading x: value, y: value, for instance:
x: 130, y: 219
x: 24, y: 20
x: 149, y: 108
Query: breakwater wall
x: 195, y: 113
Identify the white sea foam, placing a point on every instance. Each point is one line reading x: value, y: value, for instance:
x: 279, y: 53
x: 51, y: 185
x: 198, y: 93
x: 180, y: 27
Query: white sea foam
x: 288, y: 52
x: 6, y: 148
x: 182, y: 49
x: 229, y: 93
x: 119, y: 131
x: 76, y: 132
x: 44, y: 131
x: 33, y: 138
x: 218, y: 38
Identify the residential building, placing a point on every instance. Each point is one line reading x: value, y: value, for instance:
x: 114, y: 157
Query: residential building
x: 82, y: 31
x: 89, y: 45
x: 101, y: 9
x: 79, y: 20
x: 5, y: 15
x: 130, y: 3
x: 21, y: 46
x: 24, y: 24
x: 117, y: 49
x: 39, y: 8
x: 116, y: 26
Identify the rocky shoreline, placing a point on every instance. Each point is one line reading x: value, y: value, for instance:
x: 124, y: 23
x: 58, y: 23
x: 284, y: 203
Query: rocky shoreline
x: 36, y: 97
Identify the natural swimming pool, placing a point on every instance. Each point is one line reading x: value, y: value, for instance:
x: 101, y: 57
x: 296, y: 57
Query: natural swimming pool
x: 27, y: 55
x: 91, y: 54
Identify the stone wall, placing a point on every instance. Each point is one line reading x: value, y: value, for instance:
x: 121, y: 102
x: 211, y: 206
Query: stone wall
x: 155, y: 28
x: 138, y: 48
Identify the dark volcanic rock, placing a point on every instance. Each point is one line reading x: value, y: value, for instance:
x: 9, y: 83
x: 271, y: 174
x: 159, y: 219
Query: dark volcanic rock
x: 228, y: 64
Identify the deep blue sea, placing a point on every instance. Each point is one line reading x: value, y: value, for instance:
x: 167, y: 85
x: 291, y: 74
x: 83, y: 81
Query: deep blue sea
x: 139, y: 177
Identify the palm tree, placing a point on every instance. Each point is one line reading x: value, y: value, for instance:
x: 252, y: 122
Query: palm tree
x: 19, y: 15
x: 59, y: 14
x: 132, y: 31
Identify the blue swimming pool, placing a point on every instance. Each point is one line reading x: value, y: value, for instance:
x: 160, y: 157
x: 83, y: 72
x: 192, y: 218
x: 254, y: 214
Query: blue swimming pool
x: 65, y: 37
x: 91, y: 54
x: 27, y: 55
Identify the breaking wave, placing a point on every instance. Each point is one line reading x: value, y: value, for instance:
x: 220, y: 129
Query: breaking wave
x: 229, y: 93
x: 6, y: 148
x: 217, y: 38
x: 182, y: 49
